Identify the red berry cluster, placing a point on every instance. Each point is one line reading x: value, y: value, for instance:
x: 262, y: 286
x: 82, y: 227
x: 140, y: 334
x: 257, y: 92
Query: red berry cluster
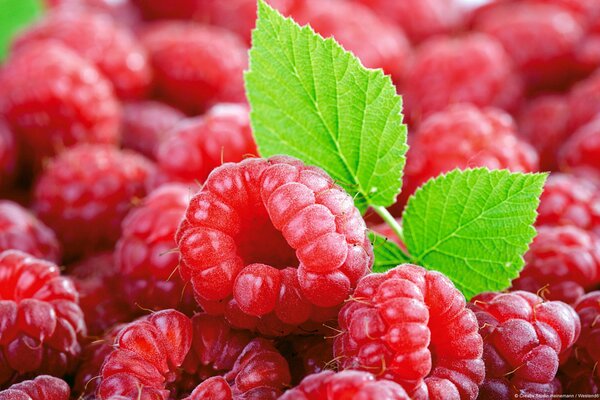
x: 191, y: 269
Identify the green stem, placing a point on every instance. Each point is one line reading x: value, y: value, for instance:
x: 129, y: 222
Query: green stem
x: 390, y: 220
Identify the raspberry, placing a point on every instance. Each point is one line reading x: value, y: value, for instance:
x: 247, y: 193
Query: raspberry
x: 196, y: 66
x: 146, y: 125
x: 41, y: 321
x: 374, y: 41
x: 122, y: 11
x: 420, y: 18
x: 583, y: 148
x: 569, y: 200
x: 473, y: 68
x: 584, y: 101
x: 100, y: 40
x: 543, y: 122
x: 150, y: 351
x: 144, y: 256
x: 271, y: 242
x: 85, y: 193
x: 581, y: 373
x: 198, y: 145
x: 77, y: 102
x: 540, y: 38
x: 563, y: 261
x: 411, y: 326
x: 42, y: 387
x: 463, y: 136
x: 306, y: 355
x: 159, y: 9
x: 21, y: 230
x: 524, y: 336
x: 587, y: 10
x: 8, y: 152
x: 100, y: 300
x: 329, y: 385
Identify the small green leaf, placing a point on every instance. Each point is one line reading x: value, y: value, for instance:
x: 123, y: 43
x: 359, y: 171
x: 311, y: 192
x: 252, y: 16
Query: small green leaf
x: 387, y: 253
x: 15, y: 14
x: 313, y: 100
x: 474, y: 226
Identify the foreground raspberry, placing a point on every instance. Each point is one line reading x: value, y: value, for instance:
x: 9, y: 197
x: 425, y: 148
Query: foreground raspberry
x: 463, y: 136
x: 77, y: 102
x: 473, y: 68
x: 582, y: 150
x: 540, y: 38
x: 146, y: 124
x: 100, y: 40
x: 543, y: 122
x: 412, y: 326
x: 329, y: 385
x: 377, y: 43
x: 269, y: 243
x: 100, y: 299
x: 85, y: 193
x: 21, y: 230
x: 8, y: 155
x: 196, y: 66
x: 41, y: 321
x: 569, y: 200
x: 524, y: 336
x: 145, y: 260
x: 563, y: 262
x: 580, y: 372
x: 198, y: 145
x: 43, y: 387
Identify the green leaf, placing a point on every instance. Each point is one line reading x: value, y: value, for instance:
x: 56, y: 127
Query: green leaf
x: 313, y: 100
x: 474, y: 226
x: 15, y: 14
x: 387, y: 253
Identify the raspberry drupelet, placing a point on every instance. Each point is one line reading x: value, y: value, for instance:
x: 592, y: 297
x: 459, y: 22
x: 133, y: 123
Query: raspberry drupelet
x: 42, y: 323
x: 412, y: 326
x: 524, y: 339
x: 76, y: 101
x: 43, y: 387
x: 272, y: 244
x: 145, y: 256
x: 582, y: 149
x: 85, y: 193
x: 359, y: 385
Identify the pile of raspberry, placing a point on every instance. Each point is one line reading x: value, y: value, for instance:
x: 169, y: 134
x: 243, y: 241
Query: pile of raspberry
x: 148, y: 253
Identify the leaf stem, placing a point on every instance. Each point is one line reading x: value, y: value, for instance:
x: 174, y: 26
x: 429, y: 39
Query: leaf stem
x: 390, y: 220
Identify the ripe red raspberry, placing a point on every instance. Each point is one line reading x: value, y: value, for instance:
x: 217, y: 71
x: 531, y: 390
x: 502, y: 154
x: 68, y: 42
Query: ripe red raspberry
x: 271, y: 242
x: 524, y: 336
x: 100, y: 300
x: 77, y: 103
x: 196, y: 66
x: 377, y: 43
x: 306, y: 355
x: 563, y: 262
x: 473, y: 68
x: 85, y: 193
x: 123, y: 11
x: 150, y: 351
x: 543, y: 122
x: 463, y: 136
x: 584, y: 101
x: 581, y: 373
x: 99, y: 39
x: 412, y: 326
x: 42, y: 387
x: 8, y: 155
x: 329, y: 385
x: 21, y: 230
x: 569, y: 200
x: 586, y: 10
x: 145, y: 259
x: 198, y: 145
x: 420, y: 19
x: 146, y: 124
x: 583, y: 148
x: 540, y: 38
x: 41, y: 321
